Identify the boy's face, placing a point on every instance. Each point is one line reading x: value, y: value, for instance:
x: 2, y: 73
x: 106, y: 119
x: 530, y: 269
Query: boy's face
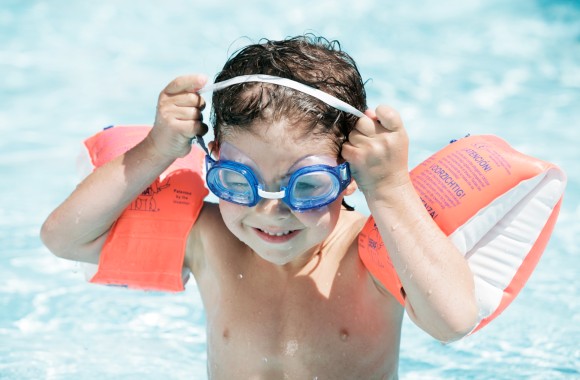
x: 276, y: 233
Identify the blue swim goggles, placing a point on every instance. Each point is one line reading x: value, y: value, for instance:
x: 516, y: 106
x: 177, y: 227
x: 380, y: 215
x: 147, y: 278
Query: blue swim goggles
x: 308, y: 188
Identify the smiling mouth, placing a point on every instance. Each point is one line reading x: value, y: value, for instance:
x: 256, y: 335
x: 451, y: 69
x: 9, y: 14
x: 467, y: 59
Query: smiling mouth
x: 276, y: 233
x: 276, y: 236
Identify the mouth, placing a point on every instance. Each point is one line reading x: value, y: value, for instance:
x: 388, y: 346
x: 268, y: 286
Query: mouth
x: 276, y: 236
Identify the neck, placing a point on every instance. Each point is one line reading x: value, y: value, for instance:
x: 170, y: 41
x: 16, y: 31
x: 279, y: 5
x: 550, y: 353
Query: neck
x: 303, y: 265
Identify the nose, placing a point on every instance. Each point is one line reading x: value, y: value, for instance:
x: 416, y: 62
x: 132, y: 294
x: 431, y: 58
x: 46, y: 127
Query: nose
x: 273, y: 207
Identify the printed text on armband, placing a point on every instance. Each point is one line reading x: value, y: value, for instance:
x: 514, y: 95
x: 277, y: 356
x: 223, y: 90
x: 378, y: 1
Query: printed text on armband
x: 478, y: 159
x: 430, y: 209
x: 449, y: 181
x: 183, y: 192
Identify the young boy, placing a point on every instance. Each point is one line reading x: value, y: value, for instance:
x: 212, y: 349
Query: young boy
x: 285, y: 292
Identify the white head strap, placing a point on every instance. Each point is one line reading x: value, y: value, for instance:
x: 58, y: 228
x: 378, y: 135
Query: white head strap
x: 323, y: 96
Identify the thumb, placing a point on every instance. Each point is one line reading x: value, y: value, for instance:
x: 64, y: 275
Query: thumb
x: 389, y: 118
x: 186, y: 83
x: 199, y: 81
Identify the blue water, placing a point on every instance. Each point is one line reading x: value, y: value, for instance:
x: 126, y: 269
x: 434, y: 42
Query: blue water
x: 68, y: 68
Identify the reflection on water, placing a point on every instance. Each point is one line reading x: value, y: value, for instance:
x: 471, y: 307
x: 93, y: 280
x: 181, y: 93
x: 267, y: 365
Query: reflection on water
x: 451, y: 68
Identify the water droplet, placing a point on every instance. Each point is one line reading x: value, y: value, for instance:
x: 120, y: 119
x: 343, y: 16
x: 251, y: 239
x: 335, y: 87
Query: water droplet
x: 265, y: 359
x: 240, y: 276
x: 291, y: 348
x: 344, y: 335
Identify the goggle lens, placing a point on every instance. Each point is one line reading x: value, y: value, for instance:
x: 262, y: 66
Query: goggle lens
x: 235, y: 182
x: 314, y: 186
x: 230, y: 185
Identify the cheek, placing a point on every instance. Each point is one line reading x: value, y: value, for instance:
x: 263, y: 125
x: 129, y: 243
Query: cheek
x: 314, y: 218
x: 232, y: 215
x: 323, y: 218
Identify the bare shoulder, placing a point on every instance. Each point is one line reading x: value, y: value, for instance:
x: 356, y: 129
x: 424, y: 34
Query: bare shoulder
x: 349, y: 226
x: 354, y: 219
x: 343, y: 241
x: 208, y: 230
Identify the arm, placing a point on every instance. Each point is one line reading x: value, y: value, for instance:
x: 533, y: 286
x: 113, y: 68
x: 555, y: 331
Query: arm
x: 78, y: 228
x: 437, y: 281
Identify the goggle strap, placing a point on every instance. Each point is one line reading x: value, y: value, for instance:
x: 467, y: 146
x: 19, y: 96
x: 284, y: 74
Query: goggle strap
x: 344, y: 173
x: 321, y: 95
x: 199, y: 140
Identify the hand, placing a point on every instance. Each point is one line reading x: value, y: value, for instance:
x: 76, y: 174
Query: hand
x: 377, y: 150
x: 179, y: 118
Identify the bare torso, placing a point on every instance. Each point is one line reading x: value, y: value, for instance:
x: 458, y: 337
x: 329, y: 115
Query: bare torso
x: 328, y: 320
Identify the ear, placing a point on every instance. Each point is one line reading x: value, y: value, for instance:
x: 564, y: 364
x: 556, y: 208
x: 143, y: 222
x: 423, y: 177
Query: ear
x: 351, y: 188
x: 213, y: 148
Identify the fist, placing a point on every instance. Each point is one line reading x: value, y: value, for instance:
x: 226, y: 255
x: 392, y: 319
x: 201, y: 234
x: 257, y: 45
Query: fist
x: 377, y: 150
x: 179, y: 116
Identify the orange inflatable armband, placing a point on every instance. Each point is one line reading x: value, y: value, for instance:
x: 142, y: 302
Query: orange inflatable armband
x: 146, y: 246
x: 497, y: 205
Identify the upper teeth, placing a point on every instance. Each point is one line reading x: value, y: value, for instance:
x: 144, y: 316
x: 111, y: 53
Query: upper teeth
x: 276, y: 233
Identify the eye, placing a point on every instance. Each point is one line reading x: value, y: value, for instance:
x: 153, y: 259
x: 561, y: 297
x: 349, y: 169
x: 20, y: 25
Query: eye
x: 238, y: 186
x: 313, y: 185
x: 303, y: 186
x: 234, y: 181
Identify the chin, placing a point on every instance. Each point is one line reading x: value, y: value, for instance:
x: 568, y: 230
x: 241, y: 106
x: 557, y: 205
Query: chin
x: 279, y: 258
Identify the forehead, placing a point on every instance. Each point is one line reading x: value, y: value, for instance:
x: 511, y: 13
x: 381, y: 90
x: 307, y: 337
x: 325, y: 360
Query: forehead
x: 278, y: 148
x: 273, y: 127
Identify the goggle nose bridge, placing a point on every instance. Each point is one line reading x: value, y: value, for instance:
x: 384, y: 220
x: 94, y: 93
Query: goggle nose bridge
x: 271, y: 194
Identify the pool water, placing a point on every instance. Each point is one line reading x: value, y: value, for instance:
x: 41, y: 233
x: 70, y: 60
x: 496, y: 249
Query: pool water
x: 69, y: 68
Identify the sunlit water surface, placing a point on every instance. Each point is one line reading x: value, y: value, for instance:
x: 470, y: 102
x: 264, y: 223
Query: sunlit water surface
x: 69, y: 68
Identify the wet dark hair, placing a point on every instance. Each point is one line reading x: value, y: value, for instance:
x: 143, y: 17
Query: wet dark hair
x: 311, y: 60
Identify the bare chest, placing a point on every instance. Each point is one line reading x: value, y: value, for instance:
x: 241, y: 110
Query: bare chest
x: 327, y: 322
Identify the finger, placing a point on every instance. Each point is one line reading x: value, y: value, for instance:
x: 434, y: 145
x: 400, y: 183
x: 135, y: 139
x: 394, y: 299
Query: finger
x: 367, y: 126
x: 191, y: 129
x: 389, y: 118
x: 187, y: 113
x: 186, y: 83
x: 357, y: 138
x: 350, y: 152
x: 359, y: 145
x: 370, y: 113
x: 187, y: 99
